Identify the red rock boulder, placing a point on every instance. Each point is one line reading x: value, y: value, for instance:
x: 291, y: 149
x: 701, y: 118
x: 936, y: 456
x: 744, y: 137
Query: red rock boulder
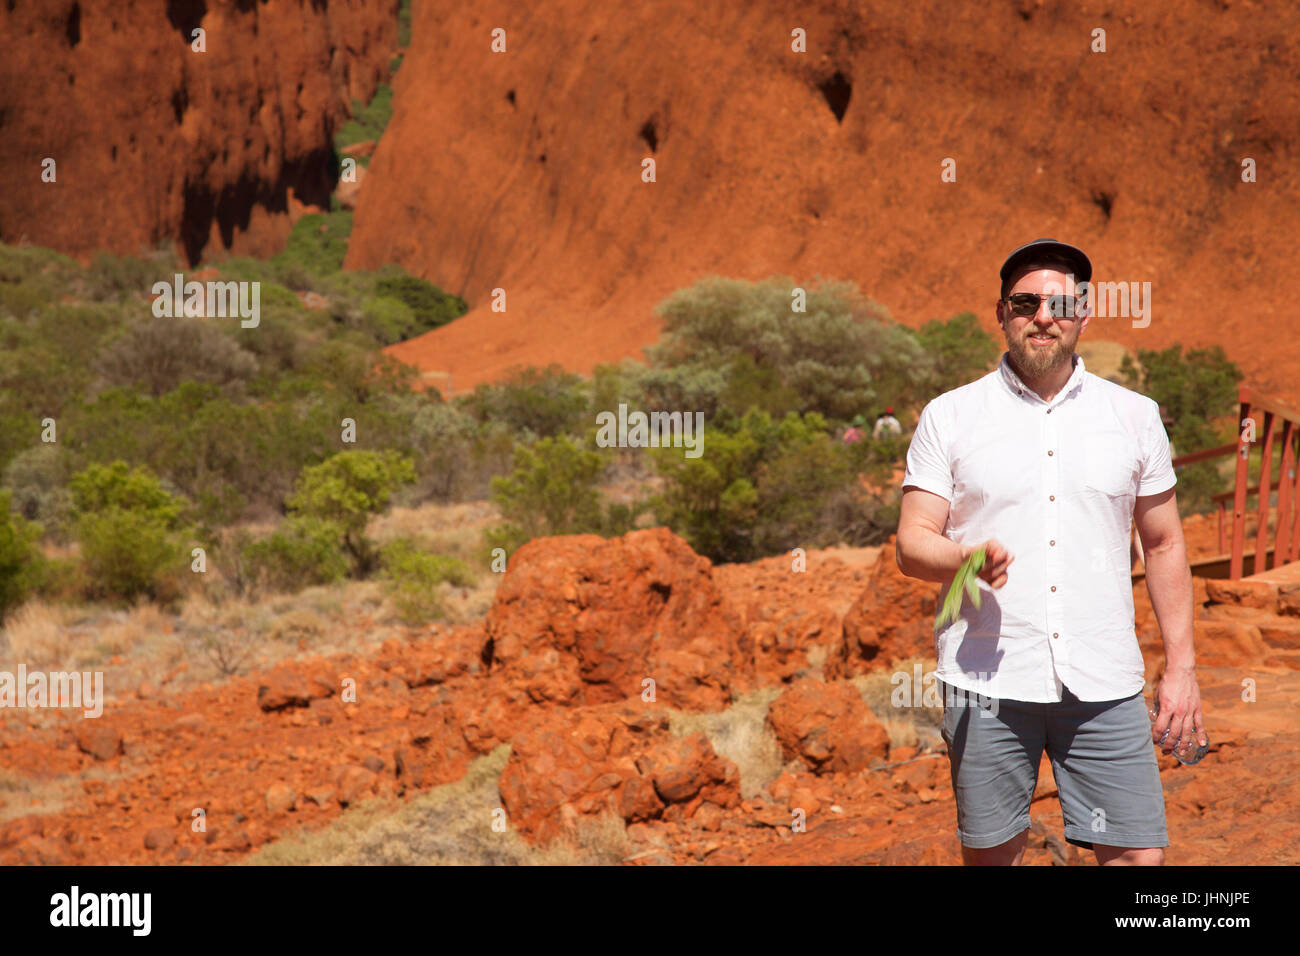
x: 827, y: 726
x: 893, y: 617
x: 618, y: 758
x: 614, y: 613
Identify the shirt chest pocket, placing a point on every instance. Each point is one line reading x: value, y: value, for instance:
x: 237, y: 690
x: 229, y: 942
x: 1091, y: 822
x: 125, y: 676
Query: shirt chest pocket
x: 1110, y: 464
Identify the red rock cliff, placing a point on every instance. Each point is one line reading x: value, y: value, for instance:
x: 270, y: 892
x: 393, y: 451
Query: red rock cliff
x: 154, y: 141
x: 522, y: 170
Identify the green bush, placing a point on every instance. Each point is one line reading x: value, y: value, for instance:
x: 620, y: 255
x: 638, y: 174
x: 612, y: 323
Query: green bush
x: 554, y: 489
x: 961, y: 352
x: 158, y: 354
x: 1199, y: 391
x: 430, y: 305
x: 838, y: 357
x: 22, y: 564
x: 318, y: 243
x: 412, y: 576
x: 368, y: 121
x: 532, y: 402
x: 129, y: 528
x: 388, y: 319
x: 302, y: 552
x: 764, y: 486
x: 346, y: 490
x: 38, y: 480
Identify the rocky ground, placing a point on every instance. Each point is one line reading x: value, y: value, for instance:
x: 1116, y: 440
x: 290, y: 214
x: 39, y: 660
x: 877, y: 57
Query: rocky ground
x: 620, y: 674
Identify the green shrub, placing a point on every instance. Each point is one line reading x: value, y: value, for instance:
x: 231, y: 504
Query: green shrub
x: 961, y: 352
x: 158, y: 354
x: 839, y: 356
x: 22, y: 564
x: 303, y: 552
x: 368, y: 121
x: 553, y: 489
x: 388, y: 319
x: 129, y: 528
x: 532, y: 402
x: 346, y: 490
x: 430, y: 305
x: 317, y: 244
x: 38, y: 479
x: 111, y: 277
x: 412, y: 576
x: 762, y: 487
x: 1199, y: 392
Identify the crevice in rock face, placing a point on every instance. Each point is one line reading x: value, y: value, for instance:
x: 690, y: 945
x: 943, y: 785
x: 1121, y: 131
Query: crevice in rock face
x: 186, y: 16
x: 485, y: 656
x: 648, y: 134
x: 838, y: 91
x: 1104, y: 201
x: 510, y: 95
x: 74, y: 24
x: 180, y: 101
x: 311, y: 177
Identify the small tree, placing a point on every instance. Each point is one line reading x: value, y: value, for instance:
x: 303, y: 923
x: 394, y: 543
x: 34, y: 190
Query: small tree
x: 21, y: 561
x: 130, y: 529
x: 554, y: 489
x: 347, y: 490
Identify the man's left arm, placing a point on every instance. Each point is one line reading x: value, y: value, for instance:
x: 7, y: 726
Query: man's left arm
x: 1169, y: 582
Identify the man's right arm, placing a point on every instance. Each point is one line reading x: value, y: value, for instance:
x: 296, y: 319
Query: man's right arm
x: 920, y: 547
x: 923, y: 551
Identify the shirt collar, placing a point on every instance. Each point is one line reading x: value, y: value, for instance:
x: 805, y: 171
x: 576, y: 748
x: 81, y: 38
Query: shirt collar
x: 1018, y: 387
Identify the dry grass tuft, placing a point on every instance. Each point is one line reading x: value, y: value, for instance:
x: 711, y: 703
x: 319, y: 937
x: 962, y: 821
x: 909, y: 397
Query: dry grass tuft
x: 742, y: 734
x: 449, y: 825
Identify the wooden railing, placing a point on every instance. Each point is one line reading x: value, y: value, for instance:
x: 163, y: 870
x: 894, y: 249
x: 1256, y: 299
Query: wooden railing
x: 1269, y: 417
x: 1286, y: 542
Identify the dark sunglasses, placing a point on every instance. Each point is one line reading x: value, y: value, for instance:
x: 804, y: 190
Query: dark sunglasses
x: 1058, y: 306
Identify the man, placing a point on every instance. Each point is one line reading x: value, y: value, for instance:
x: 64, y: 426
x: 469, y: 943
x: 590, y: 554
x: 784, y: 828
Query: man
x: 1047, y: 463
x: 886, y: 423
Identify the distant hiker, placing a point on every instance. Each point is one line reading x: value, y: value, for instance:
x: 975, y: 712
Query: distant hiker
x: 1043, y: 460
x: 886, y: 423
x: 856, y: 431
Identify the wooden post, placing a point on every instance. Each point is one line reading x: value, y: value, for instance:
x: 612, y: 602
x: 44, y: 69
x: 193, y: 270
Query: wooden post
x: 1220, y: 551
x: 1239, y: 490
x: 1285, y: 486
x: 1265, y: 493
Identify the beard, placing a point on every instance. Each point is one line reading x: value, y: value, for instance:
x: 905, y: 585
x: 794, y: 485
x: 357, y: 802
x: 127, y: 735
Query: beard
x: 1035, y: 361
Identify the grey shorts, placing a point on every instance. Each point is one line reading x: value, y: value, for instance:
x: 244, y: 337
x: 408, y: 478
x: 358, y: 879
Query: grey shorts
x: 1102, y: 757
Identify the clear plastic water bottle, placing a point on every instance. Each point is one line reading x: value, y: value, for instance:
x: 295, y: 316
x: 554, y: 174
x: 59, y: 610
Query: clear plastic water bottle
x: 1192, y: 752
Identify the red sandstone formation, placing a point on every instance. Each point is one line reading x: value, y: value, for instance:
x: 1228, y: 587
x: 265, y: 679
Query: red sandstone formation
x: 153, y: 141
x: 522, y: 170
x: 266, y: 753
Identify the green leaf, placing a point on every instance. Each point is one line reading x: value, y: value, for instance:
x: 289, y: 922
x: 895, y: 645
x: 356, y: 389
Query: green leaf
x: 964, y: 580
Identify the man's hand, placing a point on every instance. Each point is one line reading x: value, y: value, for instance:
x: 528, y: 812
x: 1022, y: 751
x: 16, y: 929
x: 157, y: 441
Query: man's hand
x: 996, y: 561
x: 1179, y: 717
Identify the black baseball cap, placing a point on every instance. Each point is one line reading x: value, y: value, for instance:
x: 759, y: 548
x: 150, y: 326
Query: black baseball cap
x: 1041, y: 247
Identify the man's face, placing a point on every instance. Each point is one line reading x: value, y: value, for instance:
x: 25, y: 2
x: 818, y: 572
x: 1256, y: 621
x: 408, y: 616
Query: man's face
x: 1041, y: 344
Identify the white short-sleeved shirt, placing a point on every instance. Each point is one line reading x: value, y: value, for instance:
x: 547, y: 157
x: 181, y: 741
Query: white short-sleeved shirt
x: 1055, y: 483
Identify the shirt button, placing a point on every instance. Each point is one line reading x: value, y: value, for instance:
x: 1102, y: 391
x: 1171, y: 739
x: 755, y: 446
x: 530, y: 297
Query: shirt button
x: 1051, y: 497
x: 1052, y: 543
x: 1054, y: 634
x: 1049, y: 411
x: 1053, y: 587
x: 1049, y: 451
